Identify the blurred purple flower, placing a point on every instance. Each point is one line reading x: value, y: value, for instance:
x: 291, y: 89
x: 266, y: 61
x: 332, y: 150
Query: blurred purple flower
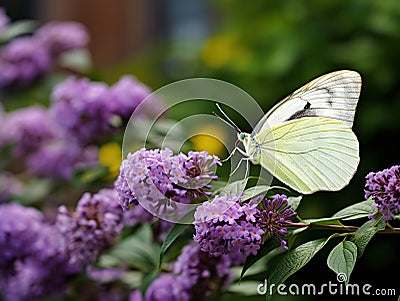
x: 195, y: 276
x: 9, y: 186
x: 384, y: 187
x: 22, y: 61
x: 61, y: 36
x: 2, y: 128
x: 82, y: 108
x: 126, y: 95
x: 166, y: 287
x: 202, y: 274
x: 4, y: 20
x: 89, y: 110
x: 94, y: 226
x: 105, y: 275
x: 158, y: 174
x: 28, y: 129
x: 59, y: 159
x: 136, y: 295
x: 32, y: 257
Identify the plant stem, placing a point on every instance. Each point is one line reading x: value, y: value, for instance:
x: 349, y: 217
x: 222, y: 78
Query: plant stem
x: 391, y: 230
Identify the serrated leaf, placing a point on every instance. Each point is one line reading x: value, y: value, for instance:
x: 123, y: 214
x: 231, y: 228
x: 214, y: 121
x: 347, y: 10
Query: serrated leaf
x: 267, y: 247
x: 172, y: 235
x: 365, y: 233
x: 294, y: 260
x: 342, y: 259
x: 355, y: 211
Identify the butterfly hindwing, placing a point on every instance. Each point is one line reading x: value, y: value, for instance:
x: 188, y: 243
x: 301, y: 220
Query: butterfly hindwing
x: 310, y: 154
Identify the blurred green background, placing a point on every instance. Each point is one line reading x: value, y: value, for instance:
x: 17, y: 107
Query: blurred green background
x: 268, y: 48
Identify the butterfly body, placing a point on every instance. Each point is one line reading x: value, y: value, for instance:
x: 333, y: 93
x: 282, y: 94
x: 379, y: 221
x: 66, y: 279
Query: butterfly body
x: 306, y: 140
x: 252, y: 146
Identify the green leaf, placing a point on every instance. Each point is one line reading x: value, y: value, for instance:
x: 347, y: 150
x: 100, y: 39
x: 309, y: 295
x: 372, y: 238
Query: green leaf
x: 147, y: 279
x: 77, y: 60
x: 89, y: 175
x: 255, y: 191
x: 268, y: 246
x: 246, y: 288
x: 294, y: 260
x: 342, y: 259
x: 172, y: 235
x: 365, y: 233
x: 358, y: 210
x: 324, y: 221
x: 34, y: 190
x: 138, y: 251
x: 132, y: 278
x: 294, y: 201
x: 18, y: 28
x: 235, y: 188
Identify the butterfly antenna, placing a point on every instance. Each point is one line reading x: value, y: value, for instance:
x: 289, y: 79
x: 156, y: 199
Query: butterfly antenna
x: 228, y: 121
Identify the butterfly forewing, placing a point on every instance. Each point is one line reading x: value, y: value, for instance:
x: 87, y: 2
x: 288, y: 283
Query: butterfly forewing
x: 333, y: 95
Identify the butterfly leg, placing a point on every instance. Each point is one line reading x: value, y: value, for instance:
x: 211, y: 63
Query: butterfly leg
x: 238, y: 165
x: 233, y: 152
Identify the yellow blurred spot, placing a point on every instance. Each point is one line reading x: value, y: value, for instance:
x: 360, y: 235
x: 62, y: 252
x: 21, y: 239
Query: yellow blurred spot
x: 217, y: 51
x: 209, y: 139
x: 110, y: 155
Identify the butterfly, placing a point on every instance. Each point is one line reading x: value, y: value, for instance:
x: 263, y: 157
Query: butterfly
x: 306, y: 140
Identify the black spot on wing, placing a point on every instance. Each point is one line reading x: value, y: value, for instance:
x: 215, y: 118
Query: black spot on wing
x: 307, y: 111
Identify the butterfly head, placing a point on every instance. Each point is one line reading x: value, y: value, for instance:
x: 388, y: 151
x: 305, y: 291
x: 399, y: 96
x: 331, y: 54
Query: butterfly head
x: 241, y: 136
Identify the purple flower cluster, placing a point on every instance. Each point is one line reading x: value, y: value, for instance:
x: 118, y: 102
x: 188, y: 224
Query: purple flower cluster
x: 158, y: 174
x: 94, y: 226
x: 32, y: 257
x: 4, y: 20
x: 37, y: 137
x: 89, y: 110
x: 58, y: 140
x: 27, y: 129
x: 384, y: 187
x: 126, y: 94
x: 225, y: 226
x: 275, y: 214
x: 195, y: 275
x: 58, y: 37
x: 22, y: 61
x: 25, y: 59
x: 58, y: 159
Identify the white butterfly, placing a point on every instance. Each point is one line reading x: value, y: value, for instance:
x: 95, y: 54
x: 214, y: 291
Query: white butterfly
x: 306, y: 140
